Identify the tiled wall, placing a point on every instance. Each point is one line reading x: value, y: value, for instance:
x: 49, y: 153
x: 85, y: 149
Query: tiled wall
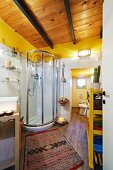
x: 9, y: 86
x: 9, y: 77
x: 13, y: 88
x: 13, y: 81
x: 64, y: 111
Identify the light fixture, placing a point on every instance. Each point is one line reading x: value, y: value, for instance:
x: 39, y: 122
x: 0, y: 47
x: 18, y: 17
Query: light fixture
x: 61, y: 120
x: 84, y: 53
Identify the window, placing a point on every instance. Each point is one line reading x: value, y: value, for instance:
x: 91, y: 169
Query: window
x: 81, y: 83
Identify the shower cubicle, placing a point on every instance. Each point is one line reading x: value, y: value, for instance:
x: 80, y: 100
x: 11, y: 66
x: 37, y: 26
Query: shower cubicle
x: 41, y: 91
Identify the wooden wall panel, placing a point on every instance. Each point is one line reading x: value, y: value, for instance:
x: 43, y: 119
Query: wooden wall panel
x: 85, y: 5
x: 86, y: 17
x: 88, y: 34
x: 75, y: 1
x: 41, y: 3
x: 51, y: 8
x: 87, y: 13
x: 87, y: 20
x: 92, y: 25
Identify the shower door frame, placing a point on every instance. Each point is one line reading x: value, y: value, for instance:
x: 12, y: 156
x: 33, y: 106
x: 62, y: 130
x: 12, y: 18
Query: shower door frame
x: 42, y: 89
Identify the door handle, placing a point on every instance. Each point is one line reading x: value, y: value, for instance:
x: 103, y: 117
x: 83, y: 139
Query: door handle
x: 104, y: 94
x: 104, y: 102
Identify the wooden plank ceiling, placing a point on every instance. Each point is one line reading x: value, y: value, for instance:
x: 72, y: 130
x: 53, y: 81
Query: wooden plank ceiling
x: 51, y: 14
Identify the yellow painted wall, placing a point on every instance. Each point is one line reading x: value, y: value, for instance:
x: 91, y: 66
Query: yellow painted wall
x: 67, y: 50
x: 85, y: 72
x: 13, y: 39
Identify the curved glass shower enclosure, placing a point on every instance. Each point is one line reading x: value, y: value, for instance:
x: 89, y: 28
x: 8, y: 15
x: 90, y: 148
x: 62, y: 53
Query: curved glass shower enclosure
x: 41, y: 90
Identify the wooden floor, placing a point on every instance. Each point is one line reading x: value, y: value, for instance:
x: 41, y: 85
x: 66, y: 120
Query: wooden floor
x: 77, y: 136
x: 75, y: 132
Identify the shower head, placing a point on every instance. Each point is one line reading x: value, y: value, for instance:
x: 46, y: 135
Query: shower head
x: 36, y: 76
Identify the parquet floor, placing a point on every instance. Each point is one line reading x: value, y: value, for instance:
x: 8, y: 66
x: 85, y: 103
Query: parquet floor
x: 75, y: 133
x: 77, y: 136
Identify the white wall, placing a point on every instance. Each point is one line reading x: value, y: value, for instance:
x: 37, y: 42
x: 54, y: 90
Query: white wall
x: 23, y: 89
x: 12, y: 87
x: 64, y: 111
x: 70, y: 63
x: 107, y: 72
x: 8, y: 87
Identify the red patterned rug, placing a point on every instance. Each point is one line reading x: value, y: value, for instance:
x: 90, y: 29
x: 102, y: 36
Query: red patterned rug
x: 49, y: 150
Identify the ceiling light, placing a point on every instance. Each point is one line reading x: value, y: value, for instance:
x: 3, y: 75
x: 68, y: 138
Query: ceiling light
x: 84, y: 53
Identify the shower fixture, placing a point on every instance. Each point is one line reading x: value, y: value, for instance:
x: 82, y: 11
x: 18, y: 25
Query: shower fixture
x: 33, y: 78
x: 63, y: 79
x: 63, y: 100
x: 41, y: 91
x: 36, y: 76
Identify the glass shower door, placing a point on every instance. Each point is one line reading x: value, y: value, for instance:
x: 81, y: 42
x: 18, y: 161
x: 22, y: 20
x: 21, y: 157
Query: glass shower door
x: 41, y: 90
x: 48, y: 108
x: 35, y: 94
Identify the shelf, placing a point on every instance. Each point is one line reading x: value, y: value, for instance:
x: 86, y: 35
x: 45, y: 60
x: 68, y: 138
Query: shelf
x: 6, y: 164
x: 97, y: 117
x: 6, y: 80
x: 97, y: 112
x: 6, y: 118
x: 12, y: 54
x: 9, y: 67
x: 97, y: 132
x: 97, y: 91
x: 12, y: 68
x: 95, y: 124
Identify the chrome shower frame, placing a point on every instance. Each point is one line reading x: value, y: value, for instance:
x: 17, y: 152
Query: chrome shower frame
x: 43, y: 126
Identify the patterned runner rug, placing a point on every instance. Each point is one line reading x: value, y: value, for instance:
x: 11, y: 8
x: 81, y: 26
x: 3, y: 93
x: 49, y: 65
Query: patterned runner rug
x: 49, y: 150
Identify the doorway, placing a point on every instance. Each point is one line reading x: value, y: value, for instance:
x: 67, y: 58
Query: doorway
x: 81, y: 82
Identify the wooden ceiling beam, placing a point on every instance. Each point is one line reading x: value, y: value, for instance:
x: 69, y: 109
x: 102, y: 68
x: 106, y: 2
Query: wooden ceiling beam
x: 27, y: 12
x: 68, y: 12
